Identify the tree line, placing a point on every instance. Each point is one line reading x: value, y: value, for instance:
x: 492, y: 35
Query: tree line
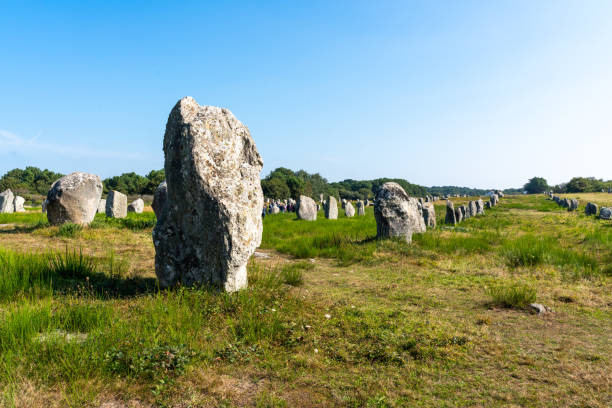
x: 538, y: 185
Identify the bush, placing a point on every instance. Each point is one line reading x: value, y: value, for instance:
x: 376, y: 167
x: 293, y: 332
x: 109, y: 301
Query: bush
x: 69, y: 230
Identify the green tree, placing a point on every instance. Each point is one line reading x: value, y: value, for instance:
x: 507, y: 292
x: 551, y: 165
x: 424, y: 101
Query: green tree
x: 536, y: 185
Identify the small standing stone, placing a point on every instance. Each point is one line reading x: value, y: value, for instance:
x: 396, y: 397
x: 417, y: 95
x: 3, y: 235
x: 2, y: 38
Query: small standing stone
x: 591, y: 209
x: 605, y: 213
x: 459, y: 214
x: 7, y: 199
x: 450, y: 218
x: 307, y: 209
x: 360, y: 207
x: 116, y: 205
x: 397, y: 215
x: 331, y: 208
x: 137, y: 206
x: 349, y: 210
x: 19, y: 201
x: 573, y: 204
x: 101, y: 207
x: 429, y: 215
x: 74, y: 198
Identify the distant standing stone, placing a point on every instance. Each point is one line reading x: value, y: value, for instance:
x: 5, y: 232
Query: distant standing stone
x: 74, y: 198
x: 137, y: 206
x: 459, y: 214
x: 19, y: 201
x: 479, y: 206
x: 307, y: 209
x: 274, y: 209
x: 605, y: 213
x: 397, y: 215
x: 429, y: 215
x: 472, y: 209
x: 7, y: 200
x: 591, y: 209
x: 343, y: 201
x: 360, y: 208
x: 450, y: 213
x: 494, y: 200
x: 331, y: 208
x: 487, y: 204
x: 116, y: 205
x: 573, y: 204
x: 349, y: 210
x: 101, y: 207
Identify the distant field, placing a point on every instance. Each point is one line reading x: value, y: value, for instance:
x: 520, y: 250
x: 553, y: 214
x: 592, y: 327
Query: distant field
x: 332, y: 318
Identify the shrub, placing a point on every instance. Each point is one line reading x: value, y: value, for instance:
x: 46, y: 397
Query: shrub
x: 69, y: 230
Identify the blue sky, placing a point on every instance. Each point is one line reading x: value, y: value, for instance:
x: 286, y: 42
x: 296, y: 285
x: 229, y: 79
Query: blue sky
x: 475, y: 93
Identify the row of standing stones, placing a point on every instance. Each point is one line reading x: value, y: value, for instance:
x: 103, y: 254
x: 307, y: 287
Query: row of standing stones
x: 10, y: 203
x: 571, y: 204
x: 209, y: 208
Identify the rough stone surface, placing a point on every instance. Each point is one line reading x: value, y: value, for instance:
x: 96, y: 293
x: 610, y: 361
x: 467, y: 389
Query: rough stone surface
x: 137, y: 206
x: 479, y: 206
x: 360, y: 208
x: 307, y: 209
x: 101, y: 207
x: 487, y: 204
x: 591, y: 209
x: 116, y: 205
x: 573, y: 204
x: 211, y: 223
x: 274, y: 209
x: 450, y: 218
x: 18, y: 204
x: 74, y: 198
x: 472, y: 208
x: 605, y: 213
x: 458, y: 214
x: 397, y: 215
x: 7, y: 200
x: 494, y: 200
x: 44, y: 206
x: 349, y: 210
x: 539, y: 308
x: 160, y: 199
x: 429, y: 215
x: 466, y: 211
x: 331, y: 208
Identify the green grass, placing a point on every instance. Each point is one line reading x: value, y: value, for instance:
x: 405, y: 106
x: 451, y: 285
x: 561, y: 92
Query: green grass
x: 515, y: 295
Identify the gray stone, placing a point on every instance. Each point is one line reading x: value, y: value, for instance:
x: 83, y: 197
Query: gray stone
x: 212, y: 220
x: 429, y: 215
x: 307, y: 209
x: 565, y: 203
x: 573, y: 204
x: 360, y: 207
x: 18, y: 204
x: 44, y: 205
x: 487, y: 204
x: 494, y: 199
x: 539, y: 308
x: 605, y: 213
x: 101, y: 207
x: 160, y: 200
x: 472, y: 209
x: 137, y: 206
x: 349, y: 210
x: 7, y: 202
x: 591, y: 209
x: 331, y: 208
x: 274, y: 209
x: 74, y: 198
x: 397, y: 215
x: 116, y: 205
x: 343, y: 202
x: 450, y: 218
x: 459, y: 214
x: 479, y: 206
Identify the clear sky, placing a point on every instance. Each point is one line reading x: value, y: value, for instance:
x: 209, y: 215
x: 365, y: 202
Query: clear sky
x: 472, y: 93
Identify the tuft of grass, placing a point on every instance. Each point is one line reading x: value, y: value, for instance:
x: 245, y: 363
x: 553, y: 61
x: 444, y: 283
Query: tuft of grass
x: 71, y: 264
x: 515, y: 295
x: 527, y: 250
x: 293, y: 274
x: 69, y: 230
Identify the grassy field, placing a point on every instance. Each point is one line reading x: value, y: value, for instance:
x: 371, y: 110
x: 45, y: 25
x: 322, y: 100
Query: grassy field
x: 332, y: 317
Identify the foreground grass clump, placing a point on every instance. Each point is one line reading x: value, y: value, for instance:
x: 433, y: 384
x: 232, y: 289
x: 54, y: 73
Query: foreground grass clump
x: 69, y: 230
x: 133, y: 221
x: 515, y: 295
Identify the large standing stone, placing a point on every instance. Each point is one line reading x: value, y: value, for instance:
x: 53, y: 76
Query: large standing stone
x: 7, y: 200
x: 450, y: 213
x: 605, y: 213
x: 591, y: 209
x: 397, y: 215
x: 212, y: 219
x: 101, y: 207
x: 18, y: 204
x: 349, y: 210
x: 331, y: 208
x: 116, y: 205
x: 472, y: 208
x: 74, y: 198
x: 160, y: 199
x: 307, y: 209
x: 360, y: 207
x: 494, y: 200
x: 429, y: 215
x: 466, y: 211
x: 137, y: 206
